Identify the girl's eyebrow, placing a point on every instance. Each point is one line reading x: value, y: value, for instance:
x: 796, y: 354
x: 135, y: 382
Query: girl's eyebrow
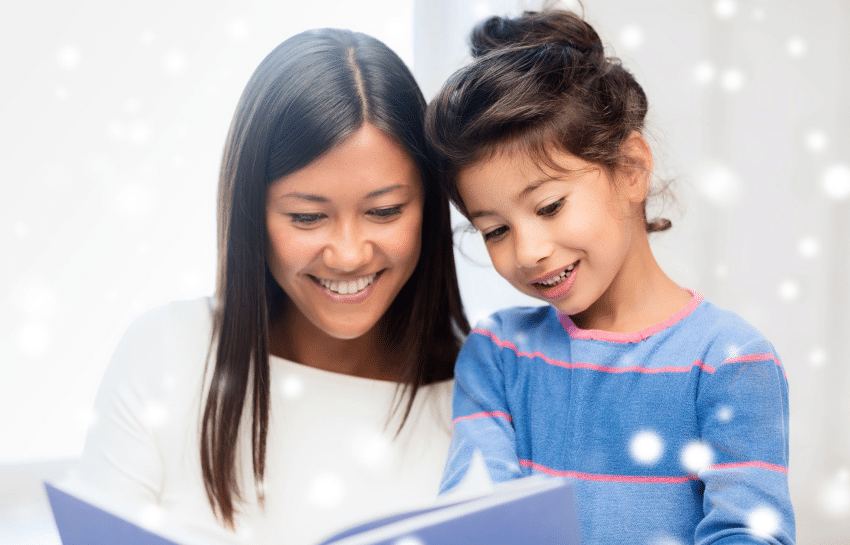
x: 522, y: 194
x: 532, y: 186
x: 319, y: 198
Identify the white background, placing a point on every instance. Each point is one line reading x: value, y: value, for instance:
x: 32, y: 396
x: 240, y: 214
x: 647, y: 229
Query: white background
x: 113, y: 118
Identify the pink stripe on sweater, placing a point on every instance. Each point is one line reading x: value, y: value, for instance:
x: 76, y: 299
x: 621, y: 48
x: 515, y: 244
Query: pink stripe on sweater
x: 494, y: 414
x: 757, y: 357
x: 592, y: 366
x: 646, y: 479
x: 608, y: 478
x: 761, y: 465
x: 637, y: 336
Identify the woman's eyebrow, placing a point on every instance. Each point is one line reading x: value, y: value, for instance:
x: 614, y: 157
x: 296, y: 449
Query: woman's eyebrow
x: 383, y: 190
x: 319, y: 198
x: 306, y: 197
x: 481, y: 214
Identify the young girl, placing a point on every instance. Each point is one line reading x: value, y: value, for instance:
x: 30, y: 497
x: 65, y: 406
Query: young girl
x: 670, y: 413
x: 314, y: 390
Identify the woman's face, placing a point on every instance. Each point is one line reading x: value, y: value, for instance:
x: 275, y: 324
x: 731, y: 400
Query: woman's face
x: 345, y: 232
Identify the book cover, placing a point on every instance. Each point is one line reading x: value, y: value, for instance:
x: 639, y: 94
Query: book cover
x: 537, y: 509
x: 81, y: 523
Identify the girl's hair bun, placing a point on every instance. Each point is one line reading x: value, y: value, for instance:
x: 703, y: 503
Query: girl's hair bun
x: 534, y: 30
x: 540, y: 81
x: 492, y: 33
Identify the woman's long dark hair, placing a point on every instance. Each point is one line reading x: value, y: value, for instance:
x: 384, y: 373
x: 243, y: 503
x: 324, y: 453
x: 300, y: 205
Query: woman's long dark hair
x: 307, y: 96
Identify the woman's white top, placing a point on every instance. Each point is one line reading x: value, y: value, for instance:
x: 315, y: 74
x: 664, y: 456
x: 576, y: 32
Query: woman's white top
x: 332, y: 458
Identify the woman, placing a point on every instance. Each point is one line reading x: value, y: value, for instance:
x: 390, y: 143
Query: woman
x: 314, y: 390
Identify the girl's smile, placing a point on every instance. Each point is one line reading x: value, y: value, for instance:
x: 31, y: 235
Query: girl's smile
x: 564, y: 236
x: 558, y: 285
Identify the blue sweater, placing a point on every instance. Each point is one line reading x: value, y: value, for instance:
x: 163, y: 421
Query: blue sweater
x: 675, y: 434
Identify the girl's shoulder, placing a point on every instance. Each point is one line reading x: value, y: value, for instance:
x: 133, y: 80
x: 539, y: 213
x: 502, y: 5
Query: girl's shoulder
x: 518, y: 320
x: 721, y: 335
x: 715, y: 321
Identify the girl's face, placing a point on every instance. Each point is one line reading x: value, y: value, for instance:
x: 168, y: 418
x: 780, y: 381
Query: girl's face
x: 345, y: 232
x: 563, y: 237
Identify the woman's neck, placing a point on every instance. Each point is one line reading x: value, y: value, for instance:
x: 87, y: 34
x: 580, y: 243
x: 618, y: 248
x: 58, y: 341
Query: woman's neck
x: 293, y: 337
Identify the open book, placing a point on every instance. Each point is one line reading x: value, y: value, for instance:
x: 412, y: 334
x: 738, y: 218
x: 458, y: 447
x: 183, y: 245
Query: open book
x: 534, y: 509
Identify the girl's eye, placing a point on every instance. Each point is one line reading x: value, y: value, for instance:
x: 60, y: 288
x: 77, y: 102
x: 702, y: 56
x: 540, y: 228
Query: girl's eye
x: 385, y: 213
x: 306, y: 219
x: 495, y: 234
x: 551, y: 209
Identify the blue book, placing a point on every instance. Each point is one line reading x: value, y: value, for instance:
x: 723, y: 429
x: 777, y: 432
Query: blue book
x: 532, y: 510
x: 81, y: 523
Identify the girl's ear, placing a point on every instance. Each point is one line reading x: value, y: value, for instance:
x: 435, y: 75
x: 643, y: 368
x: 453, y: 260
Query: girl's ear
x: 636, y: 174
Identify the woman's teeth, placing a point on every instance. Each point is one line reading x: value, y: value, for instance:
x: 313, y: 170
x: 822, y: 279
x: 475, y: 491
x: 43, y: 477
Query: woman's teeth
x: 348, y: 287
x: 560, y: 278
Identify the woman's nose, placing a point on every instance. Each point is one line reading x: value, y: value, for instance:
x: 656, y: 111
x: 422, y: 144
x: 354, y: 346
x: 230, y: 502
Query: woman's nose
x: 349, y: 249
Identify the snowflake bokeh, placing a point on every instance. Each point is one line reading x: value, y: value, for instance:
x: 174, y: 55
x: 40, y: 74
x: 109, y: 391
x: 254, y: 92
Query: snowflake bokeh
x: 836, y: 182
x: 292, y: 386
x: 725, y: 413
x: 725, y: 9
x: 835, y: 495
x: 327, y: 490
x: 789, y: 290
x: 697, y: 456
x: 809, y: 247
x: 646, y: 447
x: 763, y: 522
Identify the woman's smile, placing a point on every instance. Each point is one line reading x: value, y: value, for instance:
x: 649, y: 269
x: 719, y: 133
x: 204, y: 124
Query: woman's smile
x: 351, y: 290
x: 345, y: 233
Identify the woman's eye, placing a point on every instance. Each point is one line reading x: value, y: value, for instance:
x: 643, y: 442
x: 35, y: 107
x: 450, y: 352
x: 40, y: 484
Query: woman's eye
x: 385, y: 213
x: 495, y: 234
x: 306, y: 219
x: 551, y: 209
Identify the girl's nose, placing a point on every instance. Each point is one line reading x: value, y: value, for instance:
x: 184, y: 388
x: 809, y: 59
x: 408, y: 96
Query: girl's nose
x: 531, y: 247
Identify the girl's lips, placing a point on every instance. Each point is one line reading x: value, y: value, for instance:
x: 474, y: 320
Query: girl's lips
x: 560, y: 289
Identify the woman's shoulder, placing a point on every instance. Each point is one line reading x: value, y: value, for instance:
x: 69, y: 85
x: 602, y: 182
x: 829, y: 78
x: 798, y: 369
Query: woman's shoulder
x: 163, y: 339
x: 190, y: 316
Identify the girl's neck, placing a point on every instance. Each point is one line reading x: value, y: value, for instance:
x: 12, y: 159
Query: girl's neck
x: 293, y: 337
x: 640, y: 296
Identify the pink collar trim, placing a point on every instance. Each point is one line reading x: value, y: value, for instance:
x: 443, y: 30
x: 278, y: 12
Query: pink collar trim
x: 599, y: 335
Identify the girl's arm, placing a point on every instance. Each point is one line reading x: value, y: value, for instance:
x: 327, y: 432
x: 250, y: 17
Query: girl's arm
x: 743, y: 410
x: 481, y: 418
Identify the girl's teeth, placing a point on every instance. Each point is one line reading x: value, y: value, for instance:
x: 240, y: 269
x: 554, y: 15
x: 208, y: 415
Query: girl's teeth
x: 560, y: 278
x: 346, y: 287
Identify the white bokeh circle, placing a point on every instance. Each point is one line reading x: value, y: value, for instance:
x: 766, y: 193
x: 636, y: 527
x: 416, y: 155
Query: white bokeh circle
x: 646, y: 447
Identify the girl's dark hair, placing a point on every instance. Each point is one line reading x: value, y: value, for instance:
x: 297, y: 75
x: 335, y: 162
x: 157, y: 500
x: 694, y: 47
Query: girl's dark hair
x: 537, y: 82
x: 307, y: 96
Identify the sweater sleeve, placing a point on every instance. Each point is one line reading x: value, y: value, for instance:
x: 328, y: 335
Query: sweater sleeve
x: 743, y: 410
x: 481, y: 416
